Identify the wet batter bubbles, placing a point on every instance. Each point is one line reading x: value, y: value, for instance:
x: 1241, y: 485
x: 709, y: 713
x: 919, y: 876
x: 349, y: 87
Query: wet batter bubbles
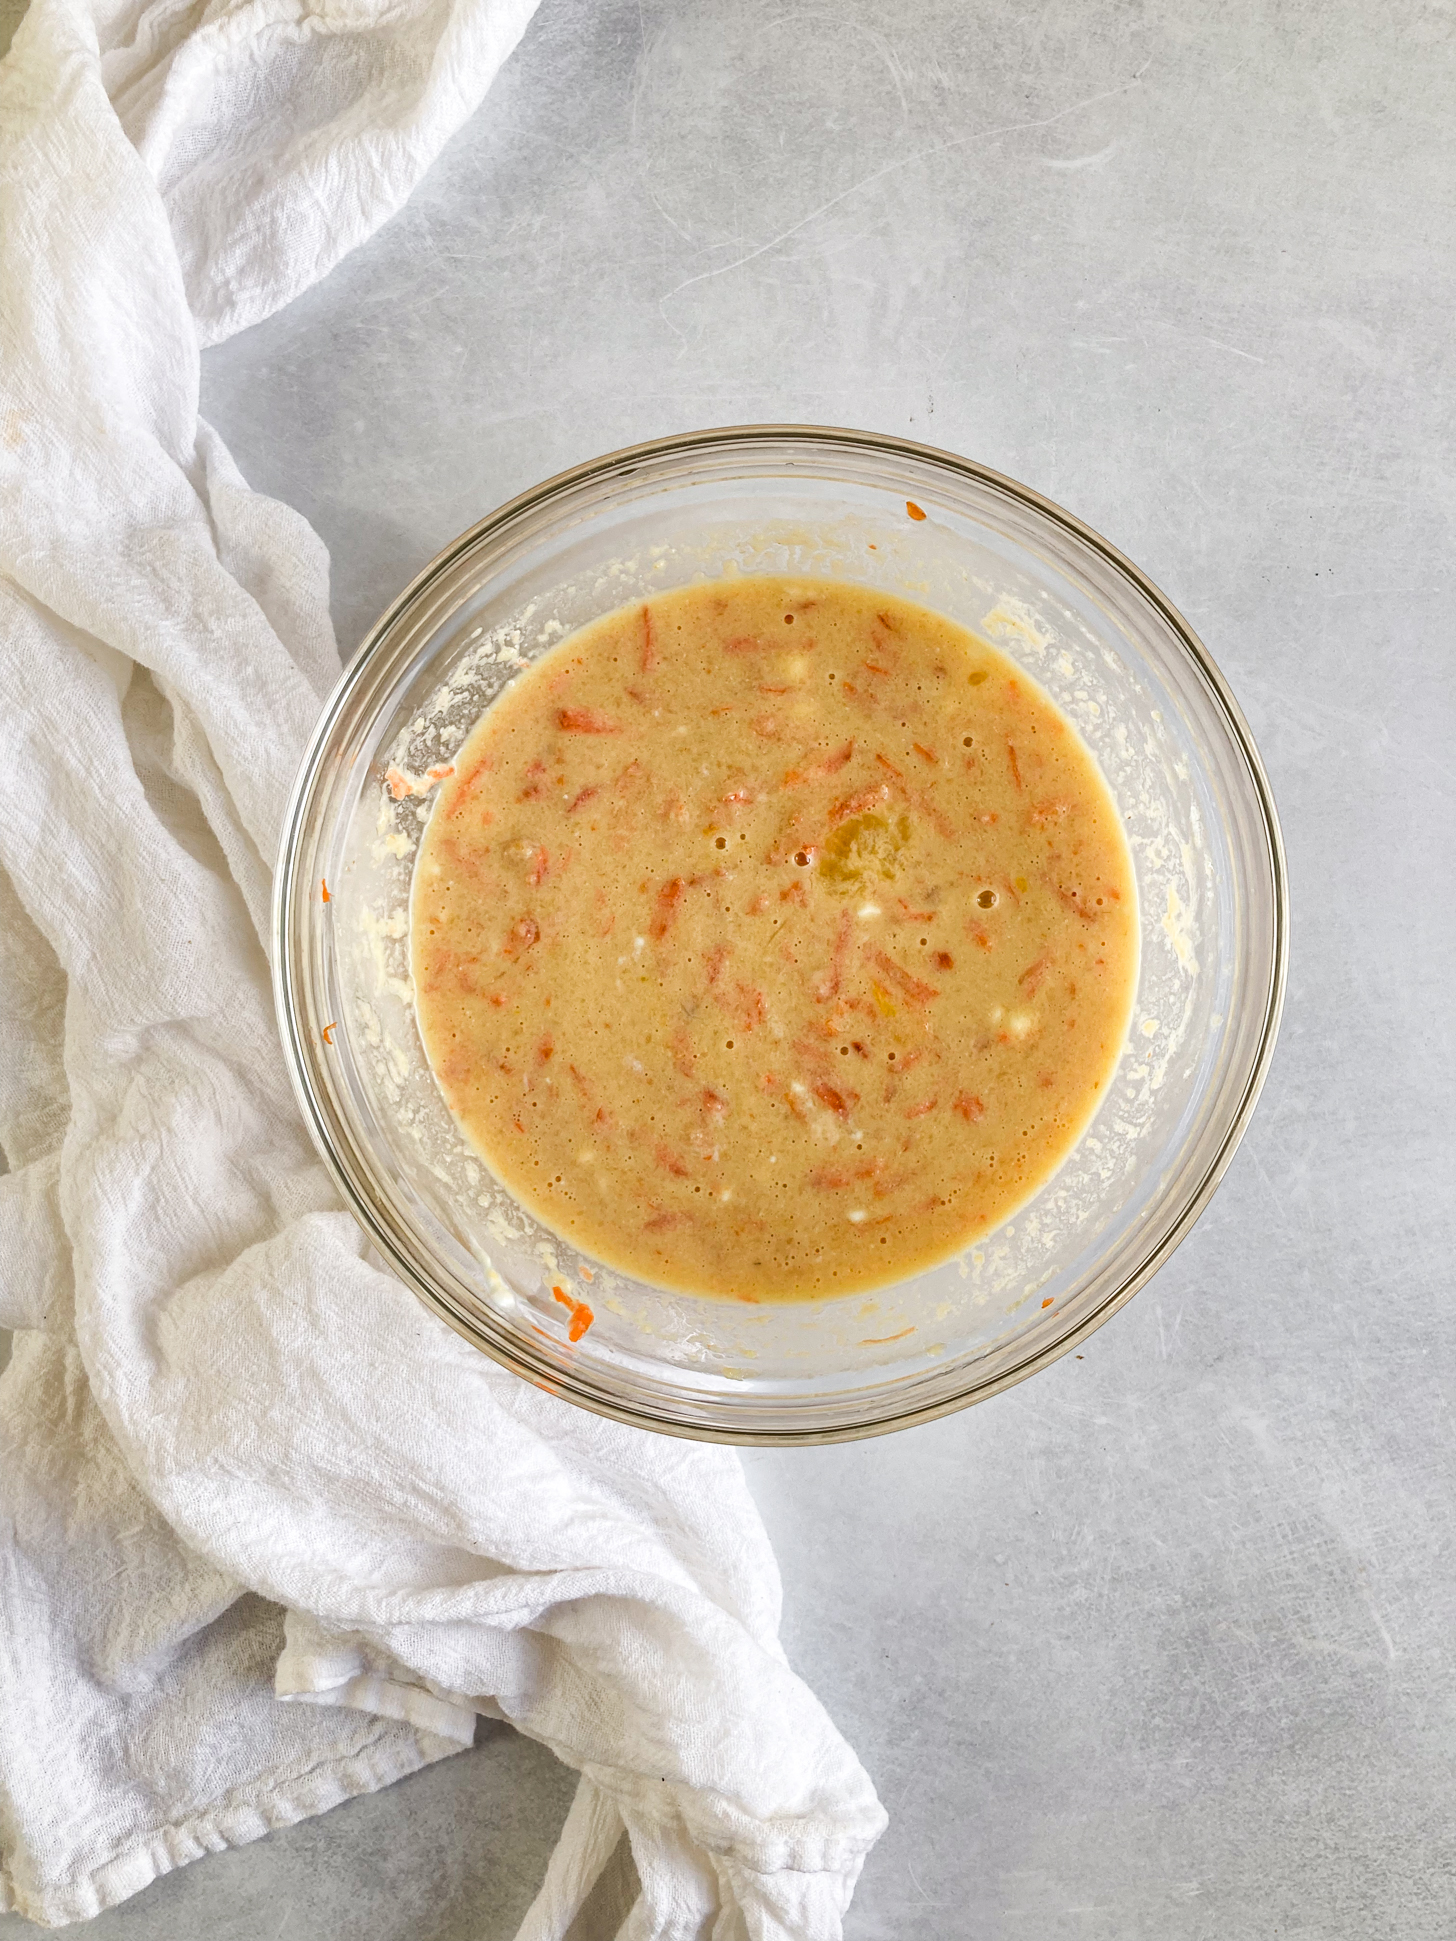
x: 773, y: 939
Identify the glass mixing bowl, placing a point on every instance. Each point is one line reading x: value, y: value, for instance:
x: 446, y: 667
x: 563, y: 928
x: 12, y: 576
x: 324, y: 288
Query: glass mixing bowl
x: 1081, y: 620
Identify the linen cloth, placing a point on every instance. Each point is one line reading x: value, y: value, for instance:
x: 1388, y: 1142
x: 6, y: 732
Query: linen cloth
x: 270, y: 1535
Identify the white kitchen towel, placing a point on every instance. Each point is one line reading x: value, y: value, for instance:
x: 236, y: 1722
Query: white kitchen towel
x: 239, y: 1464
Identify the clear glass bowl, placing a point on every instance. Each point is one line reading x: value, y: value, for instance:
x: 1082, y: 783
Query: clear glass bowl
x: 1117, y: 659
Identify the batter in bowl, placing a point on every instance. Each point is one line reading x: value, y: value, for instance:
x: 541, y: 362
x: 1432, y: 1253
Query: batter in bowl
x: 773, y: 938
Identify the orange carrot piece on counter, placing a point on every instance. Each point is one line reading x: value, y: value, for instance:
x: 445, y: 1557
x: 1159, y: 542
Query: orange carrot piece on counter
x: 327, y: 1034
x: 324, y: 883
x: 913, y: 509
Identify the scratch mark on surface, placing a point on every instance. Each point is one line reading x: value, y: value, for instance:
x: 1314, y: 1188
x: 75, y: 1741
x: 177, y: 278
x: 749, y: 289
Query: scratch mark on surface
x: 1232, y: 350
x: 1379, y: 1623
x: 1103, y: 156
x: 889, y: 168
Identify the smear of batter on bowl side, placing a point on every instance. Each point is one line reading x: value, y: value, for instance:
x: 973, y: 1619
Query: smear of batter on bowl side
x: 773, y: 938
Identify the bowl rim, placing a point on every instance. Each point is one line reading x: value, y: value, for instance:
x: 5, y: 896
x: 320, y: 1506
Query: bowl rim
x: 523, y: 1361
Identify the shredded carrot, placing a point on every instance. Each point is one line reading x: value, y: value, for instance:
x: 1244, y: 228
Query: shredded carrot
x: 925, y: 754
x: 325, y: 883
x: 1048, y: 1301
x: 969, y: 1107
x: 857, y: 804
x: 879, y: 1340
x: 328, y: 1031
x: 668, y: 898
x: 912, y: 987
x: 400, y: 784
x: 752, y: 1007
x: 913, y: 509
x: 581, y: 1315
x: 524, y: 932
x: 1015, y: 765
x: 1033, y: 975
x: 587, y: 721
x: 647, y: 654
x: 467, y: 782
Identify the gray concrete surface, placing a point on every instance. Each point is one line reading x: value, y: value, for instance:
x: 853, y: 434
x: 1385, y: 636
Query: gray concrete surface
x: 1162, y: 1645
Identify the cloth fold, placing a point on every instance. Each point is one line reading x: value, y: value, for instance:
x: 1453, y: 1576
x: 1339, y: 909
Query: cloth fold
x: 270, y: 1535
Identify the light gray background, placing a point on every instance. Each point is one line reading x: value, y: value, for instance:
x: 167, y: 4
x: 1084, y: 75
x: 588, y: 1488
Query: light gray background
x: 1162, y: 1645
